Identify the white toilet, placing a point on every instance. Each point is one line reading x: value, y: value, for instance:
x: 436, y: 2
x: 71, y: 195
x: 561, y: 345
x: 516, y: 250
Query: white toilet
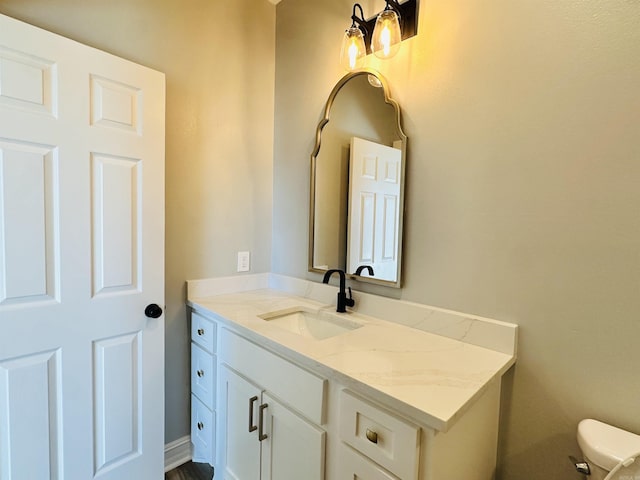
x: 604, y: 447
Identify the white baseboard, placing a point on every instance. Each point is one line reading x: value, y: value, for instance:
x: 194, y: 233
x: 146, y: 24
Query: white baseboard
x: 177, y: 452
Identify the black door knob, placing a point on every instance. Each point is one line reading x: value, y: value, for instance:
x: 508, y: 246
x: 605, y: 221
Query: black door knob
x: 153, y: 310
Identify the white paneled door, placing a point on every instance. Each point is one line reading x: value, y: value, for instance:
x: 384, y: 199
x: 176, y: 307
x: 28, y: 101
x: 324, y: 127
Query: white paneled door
x: 374, y: 208
x: 81, y: 258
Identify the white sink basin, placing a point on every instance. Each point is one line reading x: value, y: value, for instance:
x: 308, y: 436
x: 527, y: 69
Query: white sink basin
x: 316, y: 324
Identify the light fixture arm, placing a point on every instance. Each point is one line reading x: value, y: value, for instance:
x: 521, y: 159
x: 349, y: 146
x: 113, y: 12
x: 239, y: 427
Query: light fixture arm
x: 393, y: 5
x: 360, y: 21
x: 399, y: 9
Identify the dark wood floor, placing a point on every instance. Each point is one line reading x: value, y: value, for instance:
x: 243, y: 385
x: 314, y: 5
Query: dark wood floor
x: 190, y: 471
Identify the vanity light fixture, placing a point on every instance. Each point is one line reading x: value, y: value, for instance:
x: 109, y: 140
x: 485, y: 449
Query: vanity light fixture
x: 353, y: 43
x: 387, y: 35
x: 380, y: 34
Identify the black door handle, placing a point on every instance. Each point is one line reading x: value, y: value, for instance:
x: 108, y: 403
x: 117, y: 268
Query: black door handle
x: 153, y: 310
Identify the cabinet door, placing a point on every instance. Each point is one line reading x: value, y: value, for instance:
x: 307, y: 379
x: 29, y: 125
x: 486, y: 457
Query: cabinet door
x: 353, y: 466
x: 239, y: 448
x: 202, y: 429
x: 203, y: 375
x: 294, y: 448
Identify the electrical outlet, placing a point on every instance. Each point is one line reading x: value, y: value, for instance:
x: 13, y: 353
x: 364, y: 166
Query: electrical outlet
x: 244, y: 261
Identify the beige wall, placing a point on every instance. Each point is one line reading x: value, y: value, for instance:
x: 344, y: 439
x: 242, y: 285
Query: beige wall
x: 523, y: 191
x: 523, y: 173
x: 219, y: 139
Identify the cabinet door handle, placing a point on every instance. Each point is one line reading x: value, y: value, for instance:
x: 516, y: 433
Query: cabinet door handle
x: 200, y: 373
x: 201, y: 331
x: 200, y: 425
x: 372, y: 436
x: 261, y: 434
x: 252, y: 427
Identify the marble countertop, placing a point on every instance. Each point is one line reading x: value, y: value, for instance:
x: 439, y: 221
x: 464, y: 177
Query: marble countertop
x: 427, y: 377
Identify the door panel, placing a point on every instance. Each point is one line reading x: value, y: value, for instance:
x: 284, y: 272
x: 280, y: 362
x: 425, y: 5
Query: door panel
x: 115, y: 223
x: 81, y: 255
x: 31, y: 408
x: 389, y: 233
x: 114, y: 104
x: 27, y: 214
x: 26, y: 81
x: 294, y: 448
x: 239, y: 447
x: 117, y: 399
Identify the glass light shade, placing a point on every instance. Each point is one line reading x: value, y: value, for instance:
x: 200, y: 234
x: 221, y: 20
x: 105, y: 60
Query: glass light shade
x: 387, y: 36
x: 353, y: 48
x: 374, y: 81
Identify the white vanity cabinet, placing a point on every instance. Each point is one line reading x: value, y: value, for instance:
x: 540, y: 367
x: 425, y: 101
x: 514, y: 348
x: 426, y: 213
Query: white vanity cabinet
x: 263, y: 439
x: 384, y: 438
x: 288, y: 409
x: 203, y: 388
x: 269, y: 415
x: 371, y: 441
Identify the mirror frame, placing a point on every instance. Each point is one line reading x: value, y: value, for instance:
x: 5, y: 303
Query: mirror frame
x: 314, y: 155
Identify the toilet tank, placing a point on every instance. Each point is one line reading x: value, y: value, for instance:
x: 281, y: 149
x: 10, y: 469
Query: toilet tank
x: 606, y: 446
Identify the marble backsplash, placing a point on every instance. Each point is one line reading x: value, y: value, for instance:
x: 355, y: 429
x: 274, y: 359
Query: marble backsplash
x: 483, y: 332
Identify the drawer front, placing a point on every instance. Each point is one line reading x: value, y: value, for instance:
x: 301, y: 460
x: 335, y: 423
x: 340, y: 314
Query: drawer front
x: 353, y: 466
x: 202, y: 432
x: 203, y: 375
x: 203, y: 332
x: 388, y: 440
x: 302, y: 390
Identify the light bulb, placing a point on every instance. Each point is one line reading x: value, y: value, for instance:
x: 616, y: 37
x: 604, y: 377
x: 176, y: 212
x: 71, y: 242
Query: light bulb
x: 385, y: 39
x: 387, y: 36
x: 374, y: 81
x: 353, y: 48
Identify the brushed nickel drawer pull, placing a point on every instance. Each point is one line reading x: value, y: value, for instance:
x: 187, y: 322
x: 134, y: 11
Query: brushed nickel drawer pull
x: 252, y: 427
x: 201, y: 331
x: 200, y: 425
x: 261, y: 434
x: 372, y: 436
x: 200, y: 373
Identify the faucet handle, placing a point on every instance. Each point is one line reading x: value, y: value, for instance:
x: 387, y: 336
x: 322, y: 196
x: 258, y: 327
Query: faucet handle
x: 349, y: 302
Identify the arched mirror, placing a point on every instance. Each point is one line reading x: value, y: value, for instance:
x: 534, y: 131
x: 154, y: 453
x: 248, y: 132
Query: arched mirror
x: 357, y: 182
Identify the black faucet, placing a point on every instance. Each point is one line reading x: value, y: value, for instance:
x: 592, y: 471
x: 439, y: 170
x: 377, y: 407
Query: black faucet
x: 343, y: 301
x: 362, y: 267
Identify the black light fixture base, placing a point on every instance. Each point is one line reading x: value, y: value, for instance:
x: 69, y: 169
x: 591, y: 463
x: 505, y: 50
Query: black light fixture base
x: 408, y: 11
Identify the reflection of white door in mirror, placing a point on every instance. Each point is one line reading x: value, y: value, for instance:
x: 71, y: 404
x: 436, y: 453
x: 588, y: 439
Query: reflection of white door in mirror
x: 374, y: 208
x: 354, y: 109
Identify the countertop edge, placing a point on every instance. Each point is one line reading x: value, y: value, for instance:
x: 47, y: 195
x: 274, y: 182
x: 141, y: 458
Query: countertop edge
x: 388, y: 401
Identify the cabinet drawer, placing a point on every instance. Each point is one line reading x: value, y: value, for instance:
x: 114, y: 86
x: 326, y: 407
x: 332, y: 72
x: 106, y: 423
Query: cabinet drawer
x: 203, y: 375
x: 299, y: 388
x: 202, y: 432
x: 388, y: 440
x: 352, y: 465
x: 203, y: 332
